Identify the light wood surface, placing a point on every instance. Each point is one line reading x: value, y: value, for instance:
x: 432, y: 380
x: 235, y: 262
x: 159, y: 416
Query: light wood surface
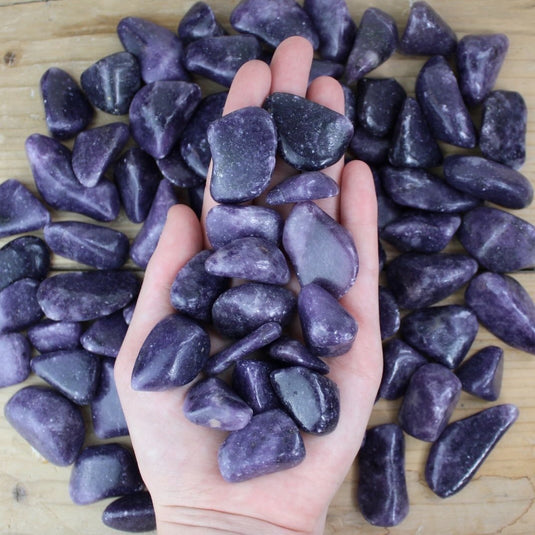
x: 72, y: 34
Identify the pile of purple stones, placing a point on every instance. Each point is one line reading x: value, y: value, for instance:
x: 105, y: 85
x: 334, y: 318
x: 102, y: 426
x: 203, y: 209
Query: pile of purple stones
x: 76, y: 321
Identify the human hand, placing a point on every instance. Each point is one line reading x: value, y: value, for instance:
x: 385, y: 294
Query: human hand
x: 178, y: 459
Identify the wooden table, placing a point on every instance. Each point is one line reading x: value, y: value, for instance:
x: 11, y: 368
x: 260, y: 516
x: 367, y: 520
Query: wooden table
x: 72, y: 34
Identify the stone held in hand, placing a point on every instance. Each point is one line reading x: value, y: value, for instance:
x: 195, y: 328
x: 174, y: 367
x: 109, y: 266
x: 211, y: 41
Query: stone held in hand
x: 133, y: 512
x: 15, y: 355
x: 292, y: 352
x: 308, y: 186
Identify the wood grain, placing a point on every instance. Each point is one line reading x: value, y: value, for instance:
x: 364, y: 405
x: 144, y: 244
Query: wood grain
x: 72, y: 34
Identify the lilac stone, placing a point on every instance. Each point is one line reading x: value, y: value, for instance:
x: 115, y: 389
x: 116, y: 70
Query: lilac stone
x: 269, y: 443
x: 273, y: 22
x: 49, y: 422
x: 439, y: 96
x: 242, y: 309
x: 49, y: 335
x: 86, y: 295
x: 133, y: 513
x: 323, y: 67
x: 243, y: 146
x: 174, y: 168
x: 111, y: 83
x: 95, y: 149
x: 50, y: 162
x: 105, y: 335
x: 369, y: 148
x: 375, y: 42
x: 210, y: 402
x: 173, y: 354
x: 505, y: 308
x: 481, y: 375
x: 429, y: 401
x: 73, y: 372
x: 307, y: 186
x: 463, y: 446
x: 94, y: 245
x: 382, y: 487
x: 294, y: 353
x: 198, y: 22
x: 389, y: 316
x: 20, y: 210
x: 19, y: 305
x: 426, y: 32
x: 503, y: 128
x: 329, y: 330
x: 103, y: 471
x: 479, y: 60
x: 488, y: 180
x: 159, y: 50
x: 67, y: 109
x: 320, y: 249
x: 15, y: 354
x: 310, y: 136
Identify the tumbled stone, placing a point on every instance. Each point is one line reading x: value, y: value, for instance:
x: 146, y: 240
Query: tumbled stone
x: 350, y: 103
x: 371, y: 149
x: 481, y: 374
x: 49, y: 335
x: 442, y: 333
x: 389, y: 316
x: 48, y: 421
x: 111, y: 83
x: 307, y: 186
x: 439, y: 96
x: 174, y: 168
x: 67, y: 110
x: 310, y: 136
x: 375, y: 42
x: 105, y: 335
x: 199, y: 21
x: 86, y: 295
x: 429, y: 401
x: 463, y: 446
x: 504, y: 128
x: 269, y: 443
x: 94, y: 245
x: 328, y: 329
x: 505, y: 308
x: 382, y: 488
x: 103, y: 471
x: 132, y: 513
x: 488, y: 180
x: 19, y: 305
x: 479, y: 60
x: 128, y: 312
x: 419, y: 280
x: 243, y: 146
x: 323, y: 67
x: 20, y: 210
x: 15, y: 354
x: 95, y: 149
x: 294, y: 353
x: 73, y: 372
x: 320, y: 249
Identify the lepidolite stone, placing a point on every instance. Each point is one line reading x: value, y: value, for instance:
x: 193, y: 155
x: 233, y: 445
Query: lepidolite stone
x: 463, y: 446
x: 382, y: 488
x: 269, y: 443
x: 105, y: 335
x: 308, y: 186
x: 49, y: 335
x: 15, y: 354
x: 365, y: 146
x: 51, y: 423
x: 294, y: 353
x: 198, y: 22
x: 133, y: 512
x: 19, y: 305
x: 243, y: 146
x: 389, y: 316
x: 174, y: 168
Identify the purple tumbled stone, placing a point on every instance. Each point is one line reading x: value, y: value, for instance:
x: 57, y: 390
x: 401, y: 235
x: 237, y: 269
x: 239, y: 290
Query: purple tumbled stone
x: 103, y: 471
x: 294, y: 353
x: 20, y: 210
x: 19, y: 305
x: 269, y: 443
x: 105, y: 335
x: 329, y: 330
x: 128, y: 312
x: 199, y: 21
x: 174, y: 168
x: 210, y: 402
x: 350, y: 103
x: 323, y: 67
x: 132, y: 513
x: 67, y: 109
x: 463, y: 446
x: 382, y: 487
x: 15, y: 354
x: 371, y: 149
x: 439, y: 96
x: 429, y: 401
x: 51, y: 423
x: 505, y: 308
x: 49, y: 335
x: 389, y: 316
x: 307, y: 186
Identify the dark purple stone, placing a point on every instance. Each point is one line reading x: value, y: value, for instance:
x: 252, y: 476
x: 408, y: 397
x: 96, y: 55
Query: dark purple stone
x: 111, y: 83
x: 199, y: 21
x: 50, y: 162
x: 371, y: 149
x: 382, y: 489
x: 323, y: 67
x: 86, y: 295
x: 128, y: 312
x: 328, y: 329
x: 429, y: 401
x: 388, y: 313
x: 132, y: 513
x: 15, y: 354
x: 103, y: 471
x: 95, y: 149
x: 481, y: 374
x: 49, y: 422
x: 20, y: 210
x: 94, y: 245
x: 382, y: 256
x: 505, y: 308
x: 269, y: 443
x: 294, y: 353
x: 19, y: 306
x: 174, y: 168
x: 439, y: 96
x: 105, y: 335
x: 387, y: 209
x: 67, y: 110
x: 210, y: 402
x: 73, y: 372
x: 350, y: 103
x: 49, y: 335
x: 307, y: 186
x: 463, y: 446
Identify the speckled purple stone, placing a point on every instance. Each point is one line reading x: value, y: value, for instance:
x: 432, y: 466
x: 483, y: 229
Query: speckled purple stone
x: 49, y: 335
x: 373, y: 150
x: 132, y: 513
x: 324, y: 67
x: 174, y: 168
x: 199, y: 21
x: 105, y: 335
x: 307, y: 186
x: 19, y: 305
x: 294, y: 353
x: 15, y: 354
x: 389, y: 315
